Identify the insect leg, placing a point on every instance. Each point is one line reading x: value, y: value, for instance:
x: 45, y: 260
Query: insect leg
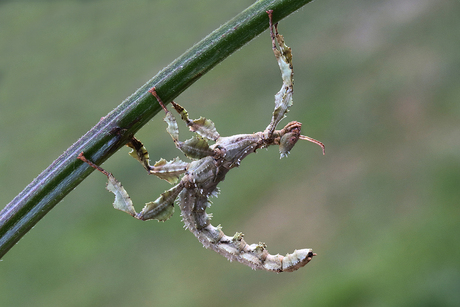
x: 197, y: 147
x: 122, y: 200
x: 172, y: 128
x: 161, y: 209
x: 283, y: 99
x: 202, y: 126
x: 167, y: 170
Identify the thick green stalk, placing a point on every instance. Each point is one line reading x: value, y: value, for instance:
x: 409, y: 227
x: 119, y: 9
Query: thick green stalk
x: 104, y: 139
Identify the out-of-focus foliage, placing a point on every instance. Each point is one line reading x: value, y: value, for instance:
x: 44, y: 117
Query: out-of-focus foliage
x: 376, y: 81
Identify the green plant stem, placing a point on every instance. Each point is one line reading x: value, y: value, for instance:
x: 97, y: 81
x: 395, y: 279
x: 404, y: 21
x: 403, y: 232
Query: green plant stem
x: 113, y: 131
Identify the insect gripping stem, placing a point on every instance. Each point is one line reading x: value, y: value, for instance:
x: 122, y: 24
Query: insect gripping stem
x: 283, y: 99
x: 283, y: 54
x: 210, y: 166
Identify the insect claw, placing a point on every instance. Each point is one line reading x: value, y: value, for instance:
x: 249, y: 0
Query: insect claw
x: 155, y: 94
x: 96, y: 167
x: 270, y: 26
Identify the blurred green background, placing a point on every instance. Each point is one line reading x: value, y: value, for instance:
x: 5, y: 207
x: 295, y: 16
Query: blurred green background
x: 376, y: 81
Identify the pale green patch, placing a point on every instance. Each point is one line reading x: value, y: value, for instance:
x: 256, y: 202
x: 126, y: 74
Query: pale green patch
x: 122, y: 200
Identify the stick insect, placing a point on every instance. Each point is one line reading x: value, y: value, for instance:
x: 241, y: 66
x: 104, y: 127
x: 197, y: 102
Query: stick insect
x: 209, y: 167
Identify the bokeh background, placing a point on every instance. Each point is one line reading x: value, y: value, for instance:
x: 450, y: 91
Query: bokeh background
x: 376, y: 81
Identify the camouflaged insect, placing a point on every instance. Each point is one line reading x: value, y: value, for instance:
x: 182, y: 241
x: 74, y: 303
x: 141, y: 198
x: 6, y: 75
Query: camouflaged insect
x: 211, y: 164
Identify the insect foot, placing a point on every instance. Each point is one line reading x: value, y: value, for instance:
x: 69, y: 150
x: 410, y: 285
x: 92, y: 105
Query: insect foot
x: 196, y: 181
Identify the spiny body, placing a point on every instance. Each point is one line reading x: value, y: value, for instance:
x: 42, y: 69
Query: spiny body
x: 212, y: 163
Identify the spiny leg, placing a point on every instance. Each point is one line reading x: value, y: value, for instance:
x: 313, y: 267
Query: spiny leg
x: 283, y: 99
x: 172, y: 128
x: 167, y: 170
x: 197, y: 147
x: 122, y: 200
x: 161, y: 209
x: 272, y: 34
x: 204, y: 127
x: 139, y: 153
